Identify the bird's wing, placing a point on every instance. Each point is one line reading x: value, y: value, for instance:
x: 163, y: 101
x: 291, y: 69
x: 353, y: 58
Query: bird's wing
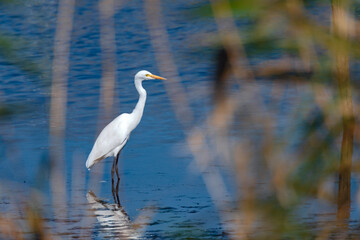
x: 114, y: 135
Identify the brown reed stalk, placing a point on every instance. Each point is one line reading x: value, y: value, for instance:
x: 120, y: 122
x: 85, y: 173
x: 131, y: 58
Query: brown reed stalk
x: 108, y: 55
x: 60, y: 69
x: 341, y: 71
x: 107, y: 10
x: 9, y: 229
x: 108, y: 63
x: 164, y: 56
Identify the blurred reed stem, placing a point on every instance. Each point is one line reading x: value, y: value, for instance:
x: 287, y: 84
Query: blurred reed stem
x: 60, y: 69
x: 108, y: 75
x: 108, y: 55
x: 341, y: 70
x: 167, y: 66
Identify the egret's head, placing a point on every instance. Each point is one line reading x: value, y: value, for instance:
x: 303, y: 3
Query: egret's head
x: 146, y: 75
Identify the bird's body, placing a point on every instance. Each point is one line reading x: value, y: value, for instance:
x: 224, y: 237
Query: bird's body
x: 115, y: 135
x: 111, y: 140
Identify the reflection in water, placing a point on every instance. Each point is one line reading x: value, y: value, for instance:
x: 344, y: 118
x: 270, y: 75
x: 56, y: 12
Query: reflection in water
x: 113, y: 218
x: 115, y: 190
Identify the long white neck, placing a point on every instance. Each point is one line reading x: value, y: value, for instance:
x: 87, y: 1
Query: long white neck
x: 139, y: 108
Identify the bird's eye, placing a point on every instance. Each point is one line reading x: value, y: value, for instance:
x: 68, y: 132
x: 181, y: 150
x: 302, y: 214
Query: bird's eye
x: 147, y: 75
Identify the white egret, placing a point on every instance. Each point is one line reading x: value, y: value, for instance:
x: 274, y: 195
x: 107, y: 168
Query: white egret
x: 114, y: 136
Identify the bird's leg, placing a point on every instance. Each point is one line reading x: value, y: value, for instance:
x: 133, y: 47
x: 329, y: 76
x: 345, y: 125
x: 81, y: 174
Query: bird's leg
x: 116, y: 166
x: 112, y: 171
x: 113, y: 190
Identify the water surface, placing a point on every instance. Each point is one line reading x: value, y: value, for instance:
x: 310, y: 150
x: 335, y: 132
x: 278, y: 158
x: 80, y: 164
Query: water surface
x: 162, y: 193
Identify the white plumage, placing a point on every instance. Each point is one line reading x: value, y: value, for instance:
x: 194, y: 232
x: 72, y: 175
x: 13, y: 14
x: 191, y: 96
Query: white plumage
x: 111, y: 140
x: 115, y: 135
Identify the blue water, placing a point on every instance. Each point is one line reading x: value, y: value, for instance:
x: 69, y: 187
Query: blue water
x: 159, y: 180
x: 155, y: 166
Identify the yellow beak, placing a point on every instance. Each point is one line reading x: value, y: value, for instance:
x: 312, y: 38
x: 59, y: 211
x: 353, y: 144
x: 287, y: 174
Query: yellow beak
x: 156, y: 77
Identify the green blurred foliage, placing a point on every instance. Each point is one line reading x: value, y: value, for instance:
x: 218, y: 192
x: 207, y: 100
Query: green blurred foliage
x: 282, y: 29
x: 5, y: 111
x: 10, y: 50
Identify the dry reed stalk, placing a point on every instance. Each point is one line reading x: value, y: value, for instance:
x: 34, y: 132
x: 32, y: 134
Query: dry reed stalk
x: 223, y: 115
x: 9, y: 229
x: 77, y: 183
x: 307, y: 52
x: 108, y: 62
x: 108, y: 55
x: 231, y: 40
x: 107, y: 10
x: 341, y: 70
x: 164, y: 57
x: 60, y: 69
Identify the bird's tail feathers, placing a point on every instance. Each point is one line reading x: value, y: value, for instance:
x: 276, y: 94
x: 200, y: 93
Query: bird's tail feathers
x: 91, y: 161
x: 89, y: 164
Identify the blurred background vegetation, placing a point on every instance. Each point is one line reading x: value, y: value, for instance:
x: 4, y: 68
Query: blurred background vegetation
x: 280, y: 170
x: 313, y: 42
